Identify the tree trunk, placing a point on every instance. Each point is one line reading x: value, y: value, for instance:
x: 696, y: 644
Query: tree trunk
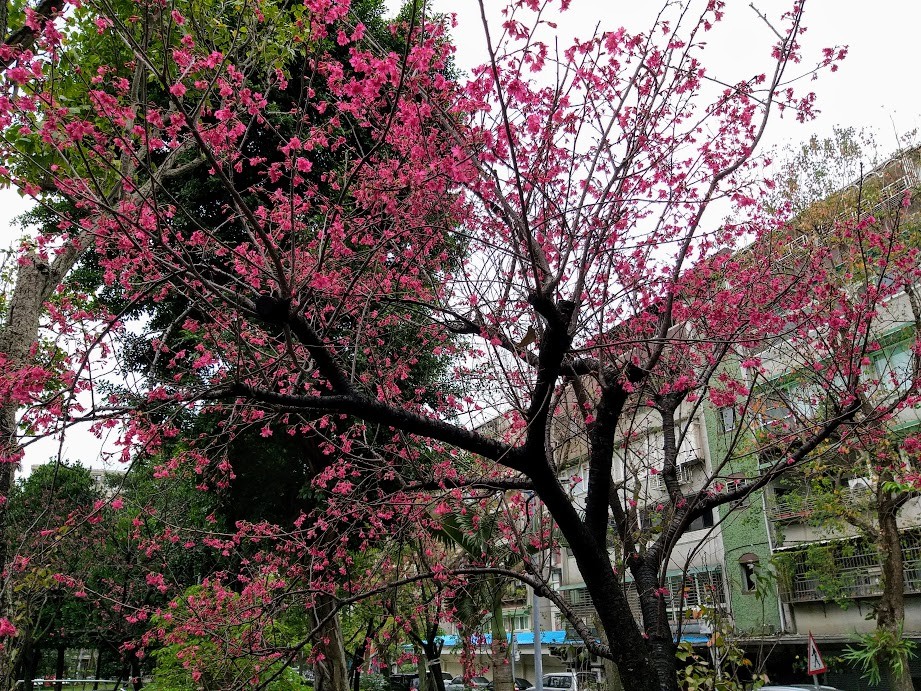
x: 656, y: 626
x: 499, y: 648
x: 501, y: 669
x: 30, y: 660
x: 890, y: 612
x: 136, y: 674
x: 59, y: 668
x: 332, y: 671
x: 420, y: 670
x: 612, y: 680
x: 35, y: 282
x: 98, y: 673
x: 433, y: 648
x: 358, y: 659
x: 633, y: 656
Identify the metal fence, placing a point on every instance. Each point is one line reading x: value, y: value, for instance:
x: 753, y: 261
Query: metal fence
x: 844, y: 569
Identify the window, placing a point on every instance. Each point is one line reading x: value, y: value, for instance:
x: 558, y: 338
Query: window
x: 694, y: 590
x: 517, y: 622
x: 728, y: 418
x: 733, y: 482
x: 775, y: 413
x: 804, y: 400
x: 701, y: 522
x: 894, y: 367
x: 748, y: 564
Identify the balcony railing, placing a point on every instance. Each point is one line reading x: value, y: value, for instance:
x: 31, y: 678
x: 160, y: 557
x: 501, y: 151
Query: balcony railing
x: 515, y: 594
x: 794, y: 509
x: 845, y: 570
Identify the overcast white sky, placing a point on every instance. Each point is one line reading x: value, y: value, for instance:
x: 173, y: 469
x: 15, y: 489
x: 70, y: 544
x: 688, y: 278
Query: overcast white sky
x: 877, y: 87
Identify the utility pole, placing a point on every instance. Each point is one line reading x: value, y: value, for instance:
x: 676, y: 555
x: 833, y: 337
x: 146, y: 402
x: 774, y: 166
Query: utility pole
x: 538, y: 654
x: 511, y: 656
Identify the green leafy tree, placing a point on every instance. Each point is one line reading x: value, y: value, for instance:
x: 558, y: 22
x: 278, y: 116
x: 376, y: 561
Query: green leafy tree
x: 52, y: 523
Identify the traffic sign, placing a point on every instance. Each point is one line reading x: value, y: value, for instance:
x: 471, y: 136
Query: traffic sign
x: 815, y: 663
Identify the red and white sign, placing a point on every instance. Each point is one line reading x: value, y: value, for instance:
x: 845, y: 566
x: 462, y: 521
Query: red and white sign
x: 814, y: 664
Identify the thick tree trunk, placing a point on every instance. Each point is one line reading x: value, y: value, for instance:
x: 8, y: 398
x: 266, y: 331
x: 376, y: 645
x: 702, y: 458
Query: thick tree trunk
x: 29, y: 665
x: 332, y: 671
x: 59, y: 668
x: 656, y: 625
x: 420, y: 670
x: 632, y: 654
x: 35, y: 282
x: 612, y: 680
x: 501, y: 669
x: 136, y: 674
x: 890, y: 612
x: 432, y: 649
x: 98, y: 673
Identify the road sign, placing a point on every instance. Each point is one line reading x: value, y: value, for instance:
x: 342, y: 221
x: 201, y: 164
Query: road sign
x: 815, y: 663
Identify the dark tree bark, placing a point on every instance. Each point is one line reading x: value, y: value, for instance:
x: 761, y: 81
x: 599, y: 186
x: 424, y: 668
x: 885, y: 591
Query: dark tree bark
x: 358, y: 659
x: 432, y: 649
x: 59, y: 667
x: 136, y: 681
x: 890, y: 610
x: 332, y: 672
x: 98, y: 672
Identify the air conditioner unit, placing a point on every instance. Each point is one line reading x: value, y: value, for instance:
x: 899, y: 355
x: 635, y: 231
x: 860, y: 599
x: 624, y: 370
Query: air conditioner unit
x: 684, y: 476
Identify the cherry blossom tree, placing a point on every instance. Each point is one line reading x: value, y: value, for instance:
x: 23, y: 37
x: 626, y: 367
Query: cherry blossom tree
x: 864, y: 482
x: 595, y: 290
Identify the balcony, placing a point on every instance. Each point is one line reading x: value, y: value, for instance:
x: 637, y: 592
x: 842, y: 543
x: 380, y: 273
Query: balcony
x: 843, y: 570
x: 516, y: 594
x: 787, y: 509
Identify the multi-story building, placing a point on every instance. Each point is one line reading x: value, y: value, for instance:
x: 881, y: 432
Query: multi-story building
x: 774, y: 564
x: 800, y: 556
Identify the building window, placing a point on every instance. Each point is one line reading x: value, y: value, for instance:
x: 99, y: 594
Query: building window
x: 748, y: 564
x: 695, y: 590
x: 728, y: 418
x: 517, y: 622
x: 701, y: 522
x: 733, y: 482
x: 894, y: 367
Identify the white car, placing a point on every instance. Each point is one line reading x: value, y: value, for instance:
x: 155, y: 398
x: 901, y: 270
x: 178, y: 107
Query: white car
x: 458, y: 683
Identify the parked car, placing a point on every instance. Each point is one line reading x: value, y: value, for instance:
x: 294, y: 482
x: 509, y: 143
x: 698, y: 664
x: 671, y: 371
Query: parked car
x: 572, y: 681
x: 410, y: 681
x: 447, y: 678
x: 805, y: 686
x: 458, y: 683
x: 402, y: 682
x: 520, y: 684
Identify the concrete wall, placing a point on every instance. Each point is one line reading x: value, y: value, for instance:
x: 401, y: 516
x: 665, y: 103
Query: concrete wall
x: 744, y: 531
x: 828, y: 619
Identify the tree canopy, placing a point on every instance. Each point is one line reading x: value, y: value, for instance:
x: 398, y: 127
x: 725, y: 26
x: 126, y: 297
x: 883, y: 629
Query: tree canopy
x: 312, y: 240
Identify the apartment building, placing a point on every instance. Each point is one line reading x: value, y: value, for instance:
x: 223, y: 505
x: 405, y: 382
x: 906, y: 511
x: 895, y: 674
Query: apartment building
x: 774, y: 565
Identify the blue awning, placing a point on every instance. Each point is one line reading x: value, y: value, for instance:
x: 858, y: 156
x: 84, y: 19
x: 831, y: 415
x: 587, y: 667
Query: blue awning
x: 546, y: 637
x: 551, y: 638
x: 521, y: 638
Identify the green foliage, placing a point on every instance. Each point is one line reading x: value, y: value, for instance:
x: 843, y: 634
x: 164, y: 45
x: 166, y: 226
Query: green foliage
x: 206, y: 660
x: 883, y: 649
x: 699, y: 673
x: 374, y: 682
x: 822, y: 564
